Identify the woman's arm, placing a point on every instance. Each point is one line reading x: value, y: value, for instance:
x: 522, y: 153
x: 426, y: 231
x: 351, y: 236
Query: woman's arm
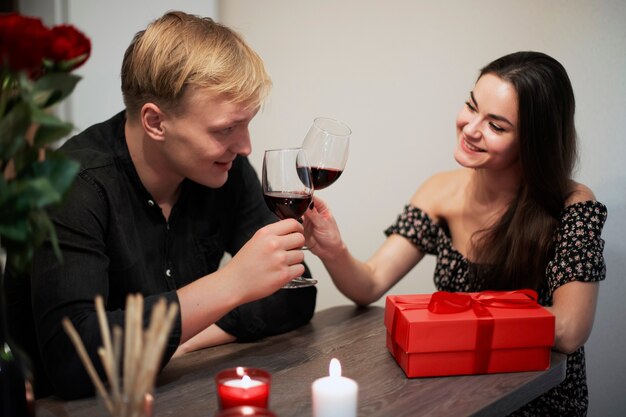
x: 366, y: 282
x: 362, y: 282
x: 574, y: 303
x: 574, y: 307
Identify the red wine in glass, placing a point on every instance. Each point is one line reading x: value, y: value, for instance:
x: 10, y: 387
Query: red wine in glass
x: 326, y: 144
x: 288, y: 190
x: 323, y: 177
x: 287, y: 204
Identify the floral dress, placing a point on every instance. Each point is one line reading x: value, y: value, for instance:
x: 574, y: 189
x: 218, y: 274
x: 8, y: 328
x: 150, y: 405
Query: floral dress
x: 578, y: 257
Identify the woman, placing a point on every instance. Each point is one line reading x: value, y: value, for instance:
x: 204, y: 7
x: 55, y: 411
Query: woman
x: 511, y: 217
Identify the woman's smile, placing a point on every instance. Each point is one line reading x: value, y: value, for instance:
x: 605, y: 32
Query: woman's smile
x: 469, y: 147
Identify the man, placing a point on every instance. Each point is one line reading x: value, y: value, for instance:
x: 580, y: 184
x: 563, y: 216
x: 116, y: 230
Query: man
x: 164, y: 190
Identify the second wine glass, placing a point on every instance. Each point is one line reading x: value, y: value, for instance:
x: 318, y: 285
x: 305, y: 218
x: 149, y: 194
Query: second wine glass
x: 288, y: 190
x: 326, y: 145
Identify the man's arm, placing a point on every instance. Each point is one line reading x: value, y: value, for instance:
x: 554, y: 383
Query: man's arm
x: 282, y: 311
x: 67, y: 288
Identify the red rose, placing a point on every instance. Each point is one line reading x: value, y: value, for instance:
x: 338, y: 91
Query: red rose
x: 23, y: 43
x: 68, y: 46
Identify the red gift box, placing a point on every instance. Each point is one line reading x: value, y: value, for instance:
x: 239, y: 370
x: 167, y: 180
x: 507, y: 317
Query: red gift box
x: 468, y: 333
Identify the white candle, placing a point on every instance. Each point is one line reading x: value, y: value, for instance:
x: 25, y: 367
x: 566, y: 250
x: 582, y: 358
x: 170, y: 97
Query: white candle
x: 335, y: 395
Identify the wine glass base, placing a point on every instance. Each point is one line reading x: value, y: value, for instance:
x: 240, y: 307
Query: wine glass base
x: 300, y: 282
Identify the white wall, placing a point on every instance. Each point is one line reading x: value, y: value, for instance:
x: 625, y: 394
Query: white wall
x: 110, y: 25
x: 398, y: 71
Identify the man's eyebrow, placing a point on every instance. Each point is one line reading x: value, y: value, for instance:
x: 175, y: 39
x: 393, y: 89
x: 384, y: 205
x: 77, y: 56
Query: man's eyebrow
x: 229, y: 122
x: 491, y: 115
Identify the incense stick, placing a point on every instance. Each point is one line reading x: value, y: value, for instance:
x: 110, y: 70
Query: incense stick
x: 84, y: 357
x: 141, y: 354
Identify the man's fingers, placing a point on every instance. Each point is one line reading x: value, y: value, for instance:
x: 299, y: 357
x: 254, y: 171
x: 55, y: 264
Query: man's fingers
x: 285, y: 227
x: 292, y: 241
x: 296, y: 271
x: 295, y: 257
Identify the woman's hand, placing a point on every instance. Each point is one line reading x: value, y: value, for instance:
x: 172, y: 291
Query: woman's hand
x: 321, y: 232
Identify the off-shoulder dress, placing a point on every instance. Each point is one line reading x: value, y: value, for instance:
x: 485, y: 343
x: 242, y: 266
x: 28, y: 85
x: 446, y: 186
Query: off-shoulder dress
x: 578, y: 257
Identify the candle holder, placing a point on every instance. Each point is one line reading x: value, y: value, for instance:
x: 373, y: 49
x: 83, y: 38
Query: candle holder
x: 242, y: 386
x: 245, y: 410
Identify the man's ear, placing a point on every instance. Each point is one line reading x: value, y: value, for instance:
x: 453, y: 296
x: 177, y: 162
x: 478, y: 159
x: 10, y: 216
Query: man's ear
x: 152, y: 119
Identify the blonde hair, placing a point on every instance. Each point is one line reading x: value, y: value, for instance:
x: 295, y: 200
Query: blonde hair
x: 180, y: 50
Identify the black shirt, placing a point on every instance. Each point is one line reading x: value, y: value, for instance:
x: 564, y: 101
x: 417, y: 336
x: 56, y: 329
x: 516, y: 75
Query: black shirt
x: 115, y: 241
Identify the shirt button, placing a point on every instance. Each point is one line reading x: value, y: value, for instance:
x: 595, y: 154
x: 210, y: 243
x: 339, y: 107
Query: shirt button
x: 150, y: 203
x: 168, y: 272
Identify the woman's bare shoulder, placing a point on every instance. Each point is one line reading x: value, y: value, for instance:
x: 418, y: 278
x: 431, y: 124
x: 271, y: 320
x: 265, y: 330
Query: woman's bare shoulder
x: 578, y: 193
x: 438, y: 191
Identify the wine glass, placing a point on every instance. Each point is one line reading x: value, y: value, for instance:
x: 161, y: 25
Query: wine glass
x: 326, y: 145
x: 288, y: 190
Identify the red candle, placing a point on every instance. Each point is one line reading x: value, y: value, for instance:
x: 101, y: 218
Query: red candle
x: 243, y: 386
x: 245, y: 410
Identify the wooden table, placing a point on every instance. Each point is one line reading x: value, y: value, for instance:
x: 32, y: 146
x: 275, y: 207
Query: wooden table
x: 356, y: 336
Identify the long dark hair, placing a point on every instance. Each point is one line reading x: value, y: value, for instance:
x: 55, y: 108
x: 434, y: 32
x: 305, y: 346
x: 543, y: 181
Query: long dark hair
x: 515, y: 252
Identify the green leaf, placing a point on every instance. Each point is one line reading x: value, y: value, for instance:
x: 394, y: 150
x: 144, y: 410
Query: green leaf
x: 6, y: 189
x: 37, y: 184
x: 42, y: 117
x: 68, y: 65
x: 12, y: 209
x: 21, y: 255
x: 13, y: 128
x: 34, y: 193
x: 24, y: 221
x: 54, y: 87
x: 58, y: 169
x: 42, y: 227
x: 24, y: 159
x: 8, y: 89
x: 50, y: 127
x: 41, y: 184
x: 50, y: 134
x: 15, y: 230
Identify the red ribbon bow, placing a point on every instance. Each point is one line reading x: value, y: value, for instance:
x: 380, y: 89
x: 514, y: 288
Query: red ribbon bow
x: 443, y: 302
